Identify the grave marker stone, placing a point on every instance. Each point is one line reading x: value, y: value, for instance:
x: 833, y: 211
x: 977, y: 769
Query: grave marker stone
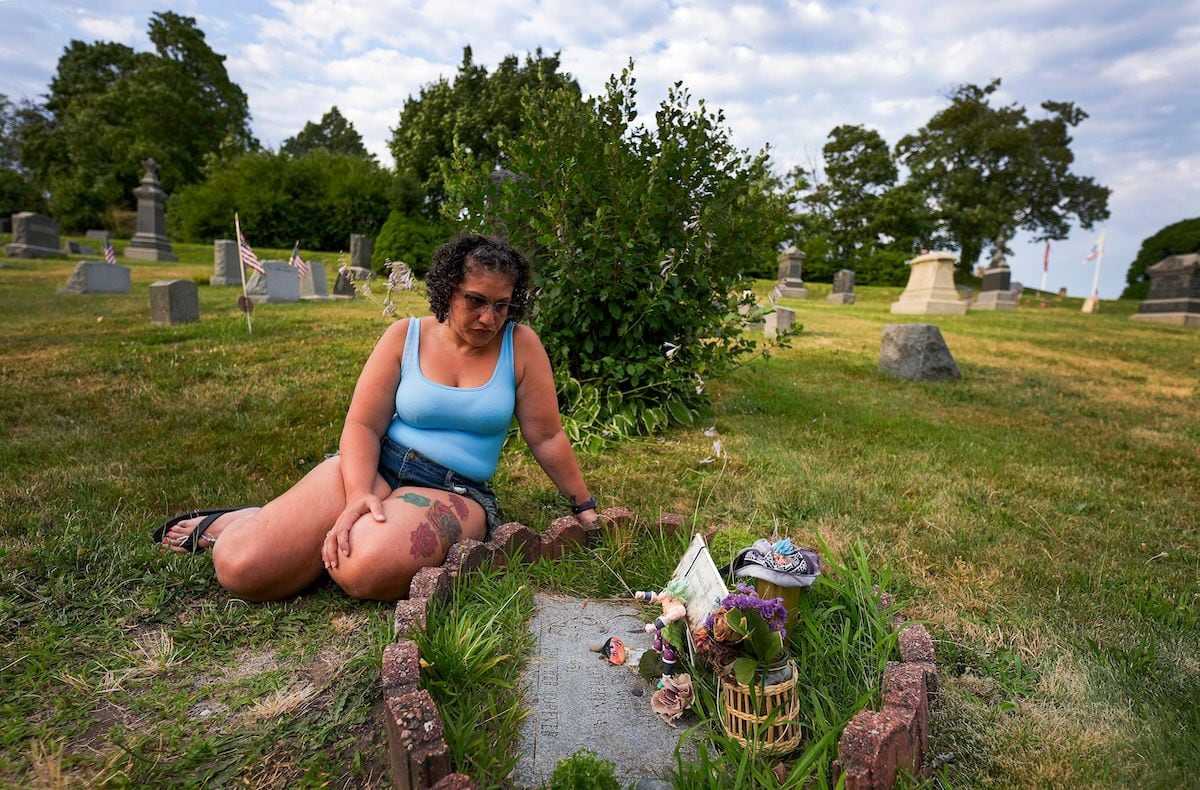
x: 226, y: 266
x: 343, y: 286
x: 779, y: 321
x: 361, y: 248
x: 916, y: 352
x: 34, y: 236
x: 75, y: 248
x: 174, y: 302
x: 1174, y: 296
x: 102, y: 236
x: 97, y: 277
x: 150, y: 243
x: 996, y: 291
x: 930, y: 288
x: 576, y: 700
x: 843, y: 288
x: 313, y: 285
x: 279, y: 282
x: 791, y: 280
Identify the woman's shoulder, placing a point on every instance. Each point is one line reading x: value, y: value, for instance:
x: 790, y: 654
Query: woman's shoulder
x: 397, y: 332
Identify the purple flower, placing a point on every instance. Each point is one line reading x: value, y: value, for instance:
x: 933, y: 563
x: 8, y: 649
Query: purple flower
x: 747, y: 600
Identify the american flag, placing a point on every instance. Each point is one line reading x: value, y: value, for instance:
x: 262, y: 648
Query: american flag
x: 110, y: 255
x: 299, y: 262
x: 246, y: 254
x: 1097, y: 249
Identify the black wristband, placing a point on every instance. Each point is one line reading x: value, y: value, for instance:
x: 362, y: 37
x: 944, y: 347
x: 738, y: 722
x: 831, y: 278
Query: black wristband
x: 587, y: 504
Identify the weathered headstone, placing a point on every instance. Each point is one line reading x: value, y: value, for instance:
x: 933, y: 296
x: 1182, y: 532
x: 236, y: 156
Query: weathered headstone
x: 791, y: 276
x: 226, y: 266
x: 75, y: 248
x: 843, y: 288
x: 996, y: 291
x: 102, y: 236
x: 779, y: 321
x: 916, y: 352
x: 1062, y: 293
x: 150, y: 243
x: 930, y: 288
x: 313, y: 285
x: 1174, y: 296
x: 174, y: 302
x: 576, y: 700
x: 1017, y: 289
x: 361, y: 248
x: 34, y: 236
x: 97, y: 277
x: 344, y: 284
x: 279, y: 282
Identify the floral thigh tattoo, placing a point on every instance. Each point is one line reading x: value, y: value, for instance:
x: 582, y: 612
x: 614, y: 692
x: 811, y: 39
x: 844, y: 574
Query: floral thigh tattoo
x: 442, y: 524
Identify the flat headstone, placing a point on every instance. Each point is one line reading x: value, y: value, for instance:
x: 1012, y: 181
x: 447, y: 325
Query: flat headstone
x: 313, y: 284
x: 577, y: 700
x: 97, y: 277
x: 226, y: 267
x: 361, y: 248
x: 916, y: 352
x: 102, y: 236
x: 280, y: 282
x: 34, y: 236
x: 174, y: 302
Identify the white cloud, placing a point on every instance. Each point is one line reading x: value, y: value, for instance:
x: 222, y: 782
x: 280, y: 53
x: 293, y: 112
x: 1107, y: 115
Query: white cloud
x: 121, y: 29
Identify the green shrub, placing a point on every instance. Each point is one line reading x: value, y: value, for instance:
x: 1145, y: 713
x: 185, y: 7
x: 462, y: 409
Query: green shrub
x: 1179, y: 238
x: 584, y: 771
x: 318, y: 199
x: 411, y: 239
x: 881, y: 266
x: 17, y: 194
x: 639, y: 238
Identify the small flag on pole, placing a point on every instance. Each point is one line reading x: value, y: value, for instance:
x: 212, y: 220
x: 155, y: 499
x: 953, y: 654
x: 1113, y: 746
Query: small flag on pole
x: 110, y: 255
x: 246, y: 254
x: 1097, y: 248
x: 299, y: 262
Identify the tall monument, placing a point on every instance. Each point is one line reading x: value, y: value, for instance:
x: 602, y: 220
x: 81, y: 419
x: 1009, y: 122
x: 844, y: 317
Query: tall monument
x: 930, y: 289
x: 150, y: 243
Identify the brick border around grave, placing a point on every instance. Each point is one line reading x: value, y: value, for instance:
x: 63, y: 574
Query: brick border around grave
x: 417, y: 751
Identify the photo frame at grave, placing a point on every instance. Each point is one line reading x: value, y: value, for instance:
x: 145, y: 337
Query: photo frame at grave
x: 705, y: 585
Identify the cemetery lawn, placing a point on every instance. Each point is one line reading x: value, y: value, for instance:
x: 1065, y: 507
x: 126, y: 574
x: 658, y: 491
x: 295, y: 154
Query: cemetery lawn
x: 1040, y: 516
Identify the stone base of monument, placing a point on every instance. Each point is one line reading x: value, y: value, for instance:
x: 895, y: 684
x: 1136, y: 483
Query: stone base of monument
x: 930, y: 289
x: 97, y: 277
x: 144, y: 247
x: 1191, y: 320
x: 313, y: 284
x: 31, y: 251
x: 840, y: 298
x: 790, y: 292
x: 279, y: 282
x: 931, y: 306
x: 174, y: 302
x: 916, y: 352
x: 995, y: 300
x: 1091, y: 305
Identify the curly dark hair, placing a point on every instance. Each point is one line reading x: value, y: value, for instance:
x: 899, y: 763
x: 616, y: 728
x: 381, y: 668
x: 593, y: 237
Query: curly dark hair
x: 489, y: 253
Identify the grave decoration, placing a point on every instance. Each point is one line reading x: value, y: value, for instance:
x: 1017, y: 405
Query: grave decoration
x: 779, y: 570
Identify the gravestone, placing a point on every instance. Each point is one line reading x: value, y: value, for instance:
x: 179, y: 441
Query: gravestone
x: 313, y: 285
x: 916, y: 352
x: 97, y: 277
x: 779, y: 321
x: 75, y: 248
x: 1174, y: 296
x: 280, y: 282
x: 361, y: 248
x: 1017, y: 289
x: 174, y: 302
x: 102, y: 236
x: 843, y: 288
x: 343, y: 286
x: 226, y: 266
x: 150, y: 243
x: 996, y: 291
x: 930, y: 289
x: 577, y: 700
x: 1062, y: 293
x: 790, y: 283
x: 34, y: 236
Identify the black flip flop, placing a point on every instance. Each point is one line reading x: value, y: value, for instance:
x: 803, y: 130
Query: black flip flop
x: 192, y: 542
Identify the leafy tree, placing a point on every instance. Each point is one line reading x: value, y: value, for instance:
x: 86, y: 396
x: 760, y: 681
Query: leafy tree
x: 318, y: 199
x: 110, y: 107
x: 858, y: 170
x: 1178, y: 238
x: 334, y: 134
x: 474, y: 113
x: 638, y: 239
x: 409, y: 238
x: 992, y: 171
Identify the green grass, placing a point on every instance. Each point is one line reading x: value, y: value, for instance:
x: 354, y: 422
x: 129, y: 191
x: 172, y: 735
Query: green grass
x: 1040, y: 516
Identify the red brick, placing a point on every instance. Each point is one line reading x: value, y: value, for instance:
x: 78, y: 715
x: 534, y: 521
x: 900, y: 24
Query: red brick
x: 464, y: 557
x: 411, y: 615
x: 431, y: 583
x: 671, y: 523
x: 401, y: 667
x: 417, y: 749
x: 904, y: 688
x: 455, y: 782
x: 564, y: 534
x: 515, y: 540
x: 916, y: 644
x: 621, y: 516
x: 874, y: 747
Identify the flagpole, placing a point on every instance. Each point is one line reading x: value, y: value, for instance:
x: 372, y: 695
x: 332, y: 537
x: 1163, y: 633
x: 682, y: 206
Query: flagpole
x: 1045, y: 268
x: 1096, y: 277
x: 237, y: 225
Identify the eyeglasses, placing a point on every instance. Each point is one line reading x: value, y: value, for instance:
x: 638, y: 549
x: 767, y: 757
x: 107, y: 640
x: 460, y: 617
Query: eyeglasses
x: 477, y: 304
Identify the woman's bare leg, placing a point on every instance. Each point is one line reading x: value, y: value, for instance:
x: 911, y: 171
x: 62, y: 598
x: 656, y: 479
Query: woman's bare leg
x: 275, y: 551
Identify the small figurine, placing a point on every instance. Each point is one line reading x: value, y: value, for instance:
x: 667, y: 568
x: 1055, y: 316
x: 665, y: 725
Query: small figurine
x: 668, y: 628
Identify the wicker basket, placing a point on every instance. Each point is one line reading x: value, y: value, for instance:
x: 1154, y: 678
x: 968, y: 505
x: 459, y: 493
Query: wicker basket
x: 744, y: 717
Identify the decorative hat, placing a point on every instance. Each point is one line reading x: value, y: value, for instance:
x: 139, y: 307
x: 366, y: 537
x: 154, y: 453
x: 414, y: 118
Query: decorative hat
x: 780, y: 563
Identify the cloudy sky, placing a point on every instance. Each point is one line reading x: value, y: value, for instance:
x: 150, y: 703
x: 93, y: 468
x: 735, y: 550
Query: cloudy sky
x: 785, y: 72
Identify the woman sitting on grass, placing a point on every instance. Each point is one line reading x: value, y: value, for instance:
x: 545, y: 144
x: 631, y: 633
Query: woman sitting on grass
x: 421, y: 440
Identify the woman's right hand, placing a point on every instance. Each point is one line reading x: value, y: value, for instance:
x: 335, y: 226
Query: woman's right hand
x: 337, y: 540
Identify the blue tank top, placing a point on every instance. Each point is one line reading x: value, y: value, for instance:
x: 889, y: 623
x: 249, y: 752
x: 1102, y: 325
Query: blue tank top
x: 461, y: 428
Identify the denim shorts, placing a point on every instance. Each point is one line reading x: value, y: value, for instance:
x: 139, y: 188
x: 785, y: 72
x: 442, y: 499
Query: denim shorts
x: 400, y: 465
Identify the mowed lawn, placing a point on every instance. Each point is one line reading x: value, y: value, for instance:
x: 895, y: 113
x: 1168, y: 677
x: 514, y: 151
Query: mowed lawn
x: 1040, y: 515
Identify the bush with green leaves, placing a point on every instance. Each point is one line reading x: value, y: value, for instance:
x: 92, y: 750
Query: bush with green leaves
x: 318, y: 199
x: 409, y: 238
x: 1178, y: 238
x: 639, y: 240
x: 584, y: 771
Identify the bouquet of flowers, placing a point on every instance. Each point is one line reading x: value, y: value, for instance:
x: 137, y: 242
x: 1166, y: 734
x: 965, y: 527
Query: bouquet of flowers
x: 744, y: 636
